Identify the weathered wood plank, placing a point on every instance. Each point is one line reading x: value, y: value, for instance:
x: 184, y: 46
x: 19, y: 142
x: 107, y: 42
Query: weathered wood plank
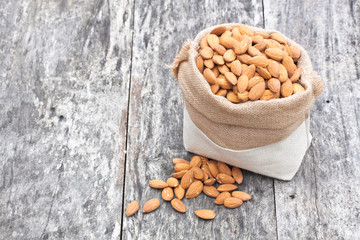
x: 323, y: 200
x: 155, y: 127
x: 63, y: 108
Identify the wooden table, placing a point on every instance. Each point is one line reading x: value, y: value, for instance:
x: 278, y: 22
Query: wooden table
x: 89, y: 114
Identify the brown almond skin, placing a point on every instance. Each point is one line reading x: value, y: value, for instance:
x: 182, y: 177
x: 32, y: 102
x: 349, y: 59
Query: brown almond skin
x: 296, y: 75
x: 286, y: 88
x: 181, y: 166
x: 172, y: 182
x: 211, y: 191
x: 298, y: 88
x: 167, y: 194
x: 236, y: 67
x: 194, y: 189
x: 180, y: 160
x: 198, y: 173
x: 179, y: 192
x: 205, y: 214
x: 221, y: 198
x: 158, y: 184
x: 242, y: 195
x: 200, y: 63
x: 213, y: 40
x: 179, y: 174
x: 243, y: 83
x: 209, y: 181
x: 232, y: 97
x: 209, y: 76
x: 243, y: 97
x: 226, y: 187
x: 195, y: 161
x: 178, y: 205
x: 223, y: 178
x: 224, y: 168
x: 206, y: 53
x: 257, y: 91
x: 274, y: 68
x: 151, y: 205
x: 219, y: 30
x: 232, y: 202
x: 237, y: 175
x: 213, y: 169
x: 132, y: 208
x: 187, y: 179
x: 274, y: 85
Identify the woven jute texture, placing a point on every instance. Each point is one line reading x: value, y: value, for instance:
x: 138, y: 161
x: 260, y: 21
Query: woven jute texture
x: 245, y: 125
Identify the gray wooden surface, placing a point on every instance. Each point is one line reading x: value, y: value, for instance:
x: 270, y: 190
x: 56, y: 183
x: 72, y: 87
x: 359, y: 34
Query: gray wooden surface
x: 89, y: 114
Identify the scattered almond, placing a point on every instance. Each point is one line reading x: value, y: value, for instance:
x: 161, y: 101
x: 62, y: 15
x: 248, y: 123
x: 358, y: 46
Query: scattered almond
x: 151, y: 205
x: 211, y: 191
x: 205, y: 214
x: 187, y: 179
x: 172, y: 182
x: 241, y: 195
x: 178, y: 205
x: 167, y: 194
x: 195, y: 189
x: 132, y: 208
x: 226, y: 187
x: 158, y: 184
x: 179, y: 192
x: 232, y: 202
x: 221, y: 198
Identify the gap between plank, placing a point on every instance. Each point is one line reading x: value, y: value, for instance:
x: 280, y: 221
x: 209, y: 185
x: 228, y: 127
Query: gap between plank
x: 132, y: 24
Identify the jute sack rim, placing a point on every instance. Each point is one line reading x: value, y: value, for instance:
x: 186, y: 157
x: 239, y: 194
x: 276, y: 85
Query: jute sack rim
x: 312, y: 83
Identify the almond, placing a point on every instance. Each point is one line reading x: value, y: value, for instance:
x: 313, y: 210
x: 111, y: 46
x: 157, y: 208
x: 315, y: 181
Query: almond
x: 205, y: 214
x: 223, y: 178
x: 243, y: 97
x: 180, y: 160
x: 226, y: 187
x: 237, y: 174
x: 296, y: 75
x: 223, y: 168
x: 206, y: 169
x: 236, y: 68
x: 295, y: 52
x: 286, y: 88
x: 241, y: 195
x: 195, y: 189
x: 209, y: 63
x: 237, y: 35
x: 263, y: 72
x: 253, y: 51
x: 222, y: 92
x: 231, y: 77
x: 244, y: 58
x: 242, y: 83
x: 249, y: 71
x: 245, y: 30
x: 218, y: 59
x: 178, y: 205
x: 218, y: 30
x: 278, y: 37
x: 195, y: 161
x: 297, y: 88
x: 151, y: 205
x: 158, y: 184
x: 179, y: 192
x: 221, y: 198
x: 274, y: 68
x: 232, y: 202
x: 263, y: 34
x: 206, y: 53
x: 229, y: 55
x: 253, y: 81
x: 283, y: 74
x: 198, y: 173
x: 211, y: 191
x: 223, y: 83
x: 213, y: 40
x: 205, y: 176
x: 209, y: 76
x: 226, y: 40
x: 200, y: 63
x: 181, y: 166
x: 232, y: 97
x: 209, y: 182
x: 187, y: 179
x: 213, y: 169
x: 259, y: 61
x: 223, y: 69
x: 267, y: 95
x: 274, y: 85
x: 203, y: 43
x: 220, y: 49
x: 215, y: 88
x: 275, y: 53
x: 172, y: 182
x: 132, y: 208
x: 257, y: 39
x: 271, y: 43
x: 179, y: 174
x: 242, y: 46
x: 167, y: 194
x: 289, y: 65
x: 261, y: 46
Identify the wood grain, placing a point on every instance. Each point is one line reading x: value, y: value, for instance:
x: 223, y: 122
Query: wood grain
x: 63, y: 108
x: 155, y: 127
x: 322, y: 202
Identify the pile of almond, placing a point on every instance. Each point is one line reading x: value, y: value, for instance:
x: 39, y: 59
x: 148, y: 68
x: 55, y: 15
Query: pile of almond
x: 243, y: 65
x: 197, y: 176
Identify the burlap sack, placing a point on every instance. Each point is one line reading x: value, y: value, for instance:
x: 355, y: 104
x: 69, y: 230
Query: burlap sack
x: 247, y: 125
